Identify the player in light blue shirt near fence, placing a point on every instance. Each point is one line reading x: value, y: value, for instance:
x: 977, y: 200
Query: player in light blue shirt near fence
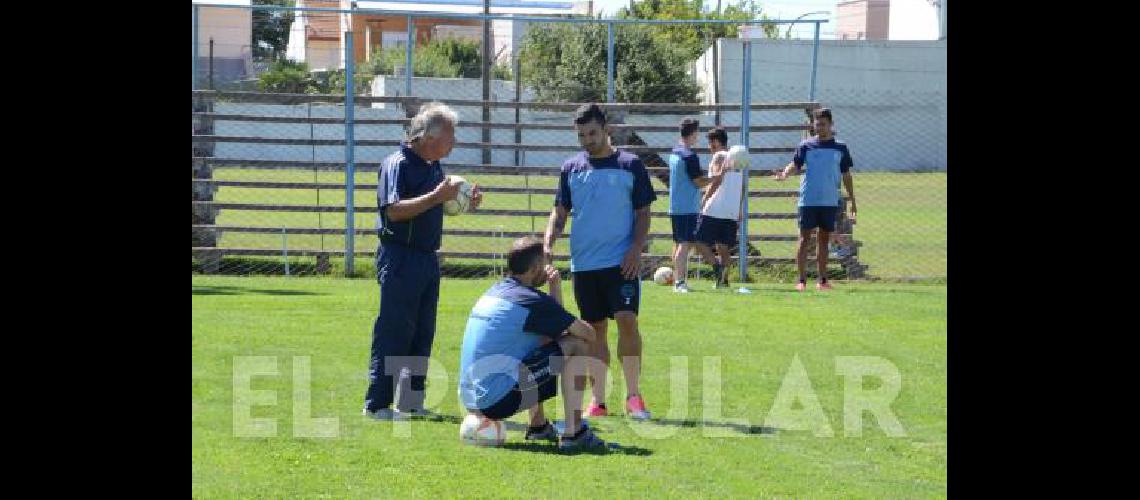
x: 685, y: 183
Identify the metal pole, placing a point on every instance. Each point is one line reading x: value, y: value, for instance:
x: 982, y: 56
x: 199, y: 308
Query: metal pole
x: 716, y: 79
x: 194, y: 66
x: 411, y: 43
x: 518, y: 110
x: 211, y: 63
x: 814, y: 63
x: 486, y: 74
x: 788, y: 34
x: 285, y: 250
x: 716, y: 75
x: 942, y: 20
x: 610, y: 62
x: 745, y: 109
x: 349, y: 167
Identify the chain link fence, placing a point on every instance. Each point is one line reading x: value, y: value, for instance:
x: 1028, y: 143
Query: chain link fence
x: 270, y: 149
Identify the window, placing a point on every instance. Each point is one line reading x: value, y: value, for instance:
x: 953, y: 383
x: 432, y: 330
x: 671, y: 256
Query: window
x: 390, y: 39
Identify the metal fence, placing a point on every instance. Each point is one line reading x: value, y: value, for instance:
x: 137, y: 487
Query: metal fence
x: 276, y: 145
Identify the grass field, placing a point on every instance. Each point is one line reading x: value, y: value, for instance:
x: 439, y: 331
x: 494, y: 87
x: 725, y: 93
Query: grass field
x: 902, y: 219
x: 756, y: 339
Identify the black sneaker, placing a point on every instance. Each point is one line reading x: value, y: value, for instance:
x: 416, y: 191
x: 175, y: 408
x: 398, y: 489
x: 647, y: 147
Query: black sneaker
x: 721, y: 277
x: 585, y: 440
x: 548, y: 433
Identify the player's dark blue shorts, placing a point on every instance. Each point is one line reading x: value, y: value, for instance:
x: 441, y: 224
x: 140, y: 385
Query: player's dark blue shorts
x: 684, y: 227
x: 714, y: 230
x: 818, y: 217
x: 603, y: 292
x: 538, y: 383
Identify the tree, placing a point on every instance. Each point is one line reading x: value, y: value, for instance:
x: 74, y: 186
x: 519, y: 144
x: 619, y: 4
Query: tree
x: 567, y: 63
x: 271, y: 30
x: 444, y: 58
x: 694, y: 39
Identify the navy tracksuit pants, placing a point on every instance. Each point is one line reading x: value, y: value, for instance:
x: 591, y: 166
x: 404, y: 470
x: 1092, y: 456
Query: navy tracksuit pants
x: 405, y: 325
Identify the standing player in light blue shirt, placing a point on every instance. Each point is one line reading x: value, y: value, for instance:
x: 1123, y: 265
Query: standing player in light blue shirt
x: 607, y: 192
x: 827, y: 161
x: 685, y: 183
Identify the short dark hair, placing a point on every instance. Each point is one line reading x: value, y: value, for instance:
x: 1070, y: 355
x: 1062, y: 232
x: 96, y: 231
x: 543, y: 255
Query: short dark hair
x: 823, y: 113
x: 719, y: 134
x: 689, y: 126
x: 589, y: 112
x: 524, y: 251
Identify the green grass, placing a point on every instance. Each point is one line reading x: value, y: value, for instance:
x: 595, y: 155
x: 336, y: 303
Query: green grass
x: 756, y: 338
x: 902, y: 219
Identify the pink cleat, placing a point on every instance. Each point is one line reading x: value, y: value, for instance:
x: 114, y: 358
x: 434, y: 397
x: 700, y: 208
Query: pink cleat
x: 800, y: 286
x: 823, y: 286
x: 635, y: 408
x: 596, y: 410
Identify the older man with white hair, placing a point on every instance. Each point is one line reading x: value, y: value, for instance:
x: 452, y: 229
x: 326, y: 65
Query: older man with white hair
x: 412, y: 188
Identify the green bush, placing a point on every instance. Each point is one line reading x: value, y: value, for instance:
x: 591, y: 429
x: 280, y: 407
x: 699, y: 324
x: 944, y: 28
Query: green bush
x: 285, y: 76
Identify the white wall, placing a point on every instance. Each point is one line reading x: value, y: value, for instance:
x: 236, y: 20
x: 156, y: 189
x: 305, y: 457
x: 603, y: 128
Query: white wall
x: 888, y: 97
x: 231, y: 29
x: 232, y: 33
x: 323, y: 54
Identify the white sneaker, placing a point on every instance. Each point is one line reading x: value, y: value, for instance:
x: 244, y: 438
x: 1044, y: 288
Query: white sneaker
x: 385, y: 414
x: 681, y: 287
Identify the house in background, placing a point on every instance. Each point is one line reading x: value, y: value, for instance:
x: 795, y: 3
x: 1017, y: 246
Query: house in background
x: 317, y: 38
x: 890, y: 20
x: 863, y: 20
x: 232, y: 33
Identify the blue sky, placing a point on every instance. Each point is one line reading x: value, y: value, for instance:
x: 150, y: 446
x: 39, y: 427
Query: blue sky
x: 912, y: 26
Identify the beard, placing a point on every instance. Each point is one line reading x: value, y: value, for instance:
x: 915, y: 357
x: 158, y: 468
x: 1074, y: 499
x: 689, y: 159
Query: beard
x: 539, y: 280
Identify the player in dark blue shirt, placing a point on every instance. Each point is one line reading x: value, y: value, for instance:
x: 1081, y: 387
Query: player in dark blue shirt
x: 412, y: 187
x: 517, y: 340
x: 607, y: 194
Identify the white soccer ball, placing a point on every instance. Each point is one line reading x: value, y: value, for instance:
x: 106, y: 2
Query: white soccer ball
x: 738, y: 155
x: 462, y: 201
x: 481, y: 431
x: 663, y: 275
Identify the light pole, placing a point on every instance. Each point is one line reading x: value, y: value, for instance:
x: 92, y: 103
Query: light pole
x: 790, y: 26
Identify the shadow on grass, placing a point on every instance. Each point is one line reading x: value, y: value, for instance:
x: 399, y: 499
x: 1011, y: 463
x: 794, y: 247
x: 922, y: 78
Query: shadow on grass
x: 237, y: 290
x: 552, y: 449
x: 539, y: 446
x: 743, y: 429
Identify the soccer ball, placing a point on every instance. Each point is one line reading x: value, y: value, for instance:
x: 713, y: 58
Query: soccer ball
x: 663, y: 275
x: 481, y: 431
x: 738, y: 155
x: 462, y: 200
